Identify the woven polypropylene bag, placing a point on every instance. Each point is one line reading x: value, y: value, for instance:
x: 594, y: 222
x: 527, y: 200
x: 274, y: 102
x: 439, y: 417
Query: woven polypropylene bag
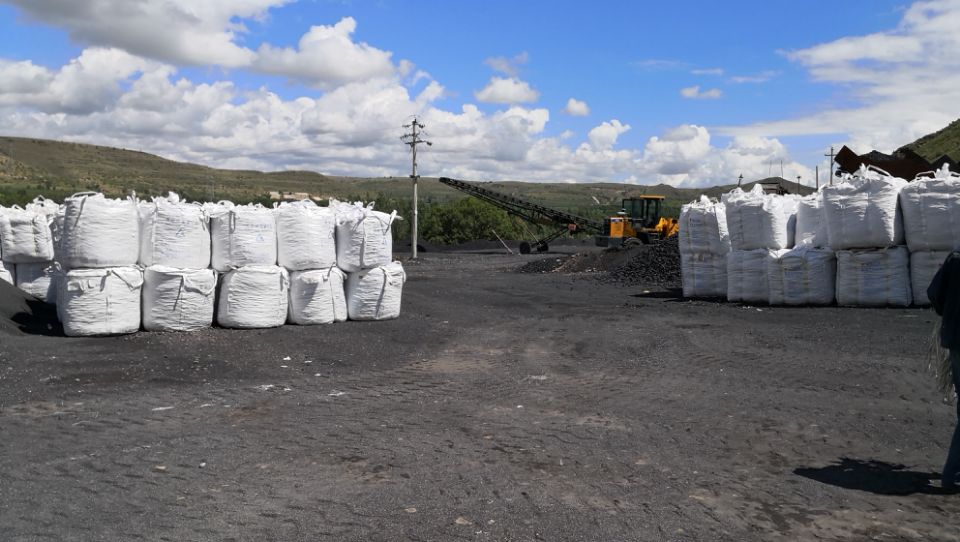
x: 99, y: 232
x: 178, y: 299
x: 317, y: 296
x: 102, y: 301
x: 374, y: 294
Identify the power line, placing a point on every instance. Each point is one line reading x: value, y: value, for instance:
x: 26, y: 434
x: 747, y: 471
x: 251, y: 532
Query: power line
x: 413, y: 139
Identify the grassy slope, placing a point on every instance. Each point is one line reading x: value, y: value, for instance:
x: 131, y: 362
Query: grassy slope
x: 935, y: 145
x: 31, y: 166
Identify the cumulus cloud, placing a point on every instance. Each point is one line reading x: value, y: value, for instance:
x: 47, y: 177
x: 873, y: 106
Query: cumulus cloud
x: 694, y: 93
x: 87, y: 84
x: 209, y: 33
x: 507, y: 91
x: 605, y: 135
x: 904, y: 83
x: 576, y: 108
x: 176, y: 31
x: 326, y: 56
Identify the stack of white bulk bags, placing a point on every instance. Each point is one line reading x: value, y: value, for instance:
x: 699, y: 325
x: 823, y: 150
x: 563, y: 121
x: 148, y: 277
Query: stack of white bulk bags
x: 364, y: 238
x: 100, y: 301
x: 177, y: 299
x: 243, y: 235
x: 253, y: 289
x: 802, y: 276
x: 874, y: 277
x: 704, y: 244
x: 253, y: 296
x: 747, y: 274
x: 99, y: 293
x: 178, y: 286
x: 811, y: 225
x: 306, y: 237
x: 26, y: 247
x: 931, y: 223
x: 865, y: 227
x: 758, y: 225
x: 374, y: 294
x: 365, y: 251
x: 317, y: 296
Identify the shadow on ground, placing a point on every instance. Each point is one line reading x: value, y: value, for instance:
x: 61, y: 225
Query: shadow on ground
x: 872, y: 476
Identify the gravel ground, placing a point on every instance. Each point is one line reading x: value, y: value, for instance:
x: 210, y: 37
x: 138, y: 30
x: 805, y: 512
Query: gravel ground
x: 501, y: 406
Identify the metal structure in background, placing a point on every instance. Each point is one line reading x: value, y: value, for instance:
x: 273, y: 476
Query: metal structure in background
x: 531, y: 212
x: 413, y: 139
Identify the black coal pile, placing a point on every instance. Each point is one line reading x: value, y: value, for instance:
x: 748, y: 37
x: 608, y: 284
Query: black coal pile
x: 20, y: 312
x: 654, y: 264
x: 543, y: 265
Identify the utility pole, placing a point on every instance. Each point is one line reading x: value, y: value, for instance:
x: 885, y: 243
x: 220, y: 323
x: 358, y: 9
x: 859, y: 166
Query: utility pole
x: 798, y: 184
x: 831, y: 164
x: 739, y: 180
x: 413, y: 139
x: 817, y: 169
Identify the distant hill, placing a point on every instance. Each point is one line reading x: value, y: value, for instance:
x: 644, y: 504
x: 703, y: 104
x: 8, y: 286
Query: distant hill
x: 942, y: 142
x: 56, y: 169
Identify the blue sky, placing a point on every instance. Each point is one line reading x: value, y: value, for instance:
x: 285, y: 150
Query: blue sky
x: 683, y: 92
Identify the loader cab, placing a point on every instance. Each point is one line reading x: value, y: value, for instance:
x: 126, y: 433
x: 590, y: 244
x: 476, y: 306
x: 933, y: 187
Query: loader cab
x: 633, y: 223
x: 644, y: 211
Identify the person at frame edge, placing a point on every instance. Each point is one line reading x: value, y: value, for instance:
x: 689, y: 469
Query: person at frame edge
x: 944, y: 294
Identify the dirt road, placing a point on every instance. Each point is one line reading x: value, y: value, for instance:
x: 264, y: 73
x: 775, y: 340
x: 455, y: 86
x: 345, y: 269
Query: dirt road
x: 500, y: 406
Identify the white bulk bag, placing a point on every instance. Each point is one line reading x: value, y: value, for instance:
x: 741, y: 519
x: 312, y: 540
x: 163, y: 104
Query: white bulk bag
x: 811, y: 229
x: 755, y: 220
x: 931, y: 212
x: 802, y: 276
x: 178, y: 299
x: 862, y: 213
x: 703, y: 228
x: 703, y: 274
x: 8, y: 273
x: 317, y: 296
x: 39, y: 280
x: 99, y: 232
x: 254, y: 296
x: 374, y: 294
x: 874, y: 277
x: 923, y: 266
x: 747, y: 275
x: 25, y: 235
x: 364, y: 240
x: 100, y: 301
x: 243, y: 235
x: 174, y: 234
x: 44, y: 206
x: 305, y: 236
